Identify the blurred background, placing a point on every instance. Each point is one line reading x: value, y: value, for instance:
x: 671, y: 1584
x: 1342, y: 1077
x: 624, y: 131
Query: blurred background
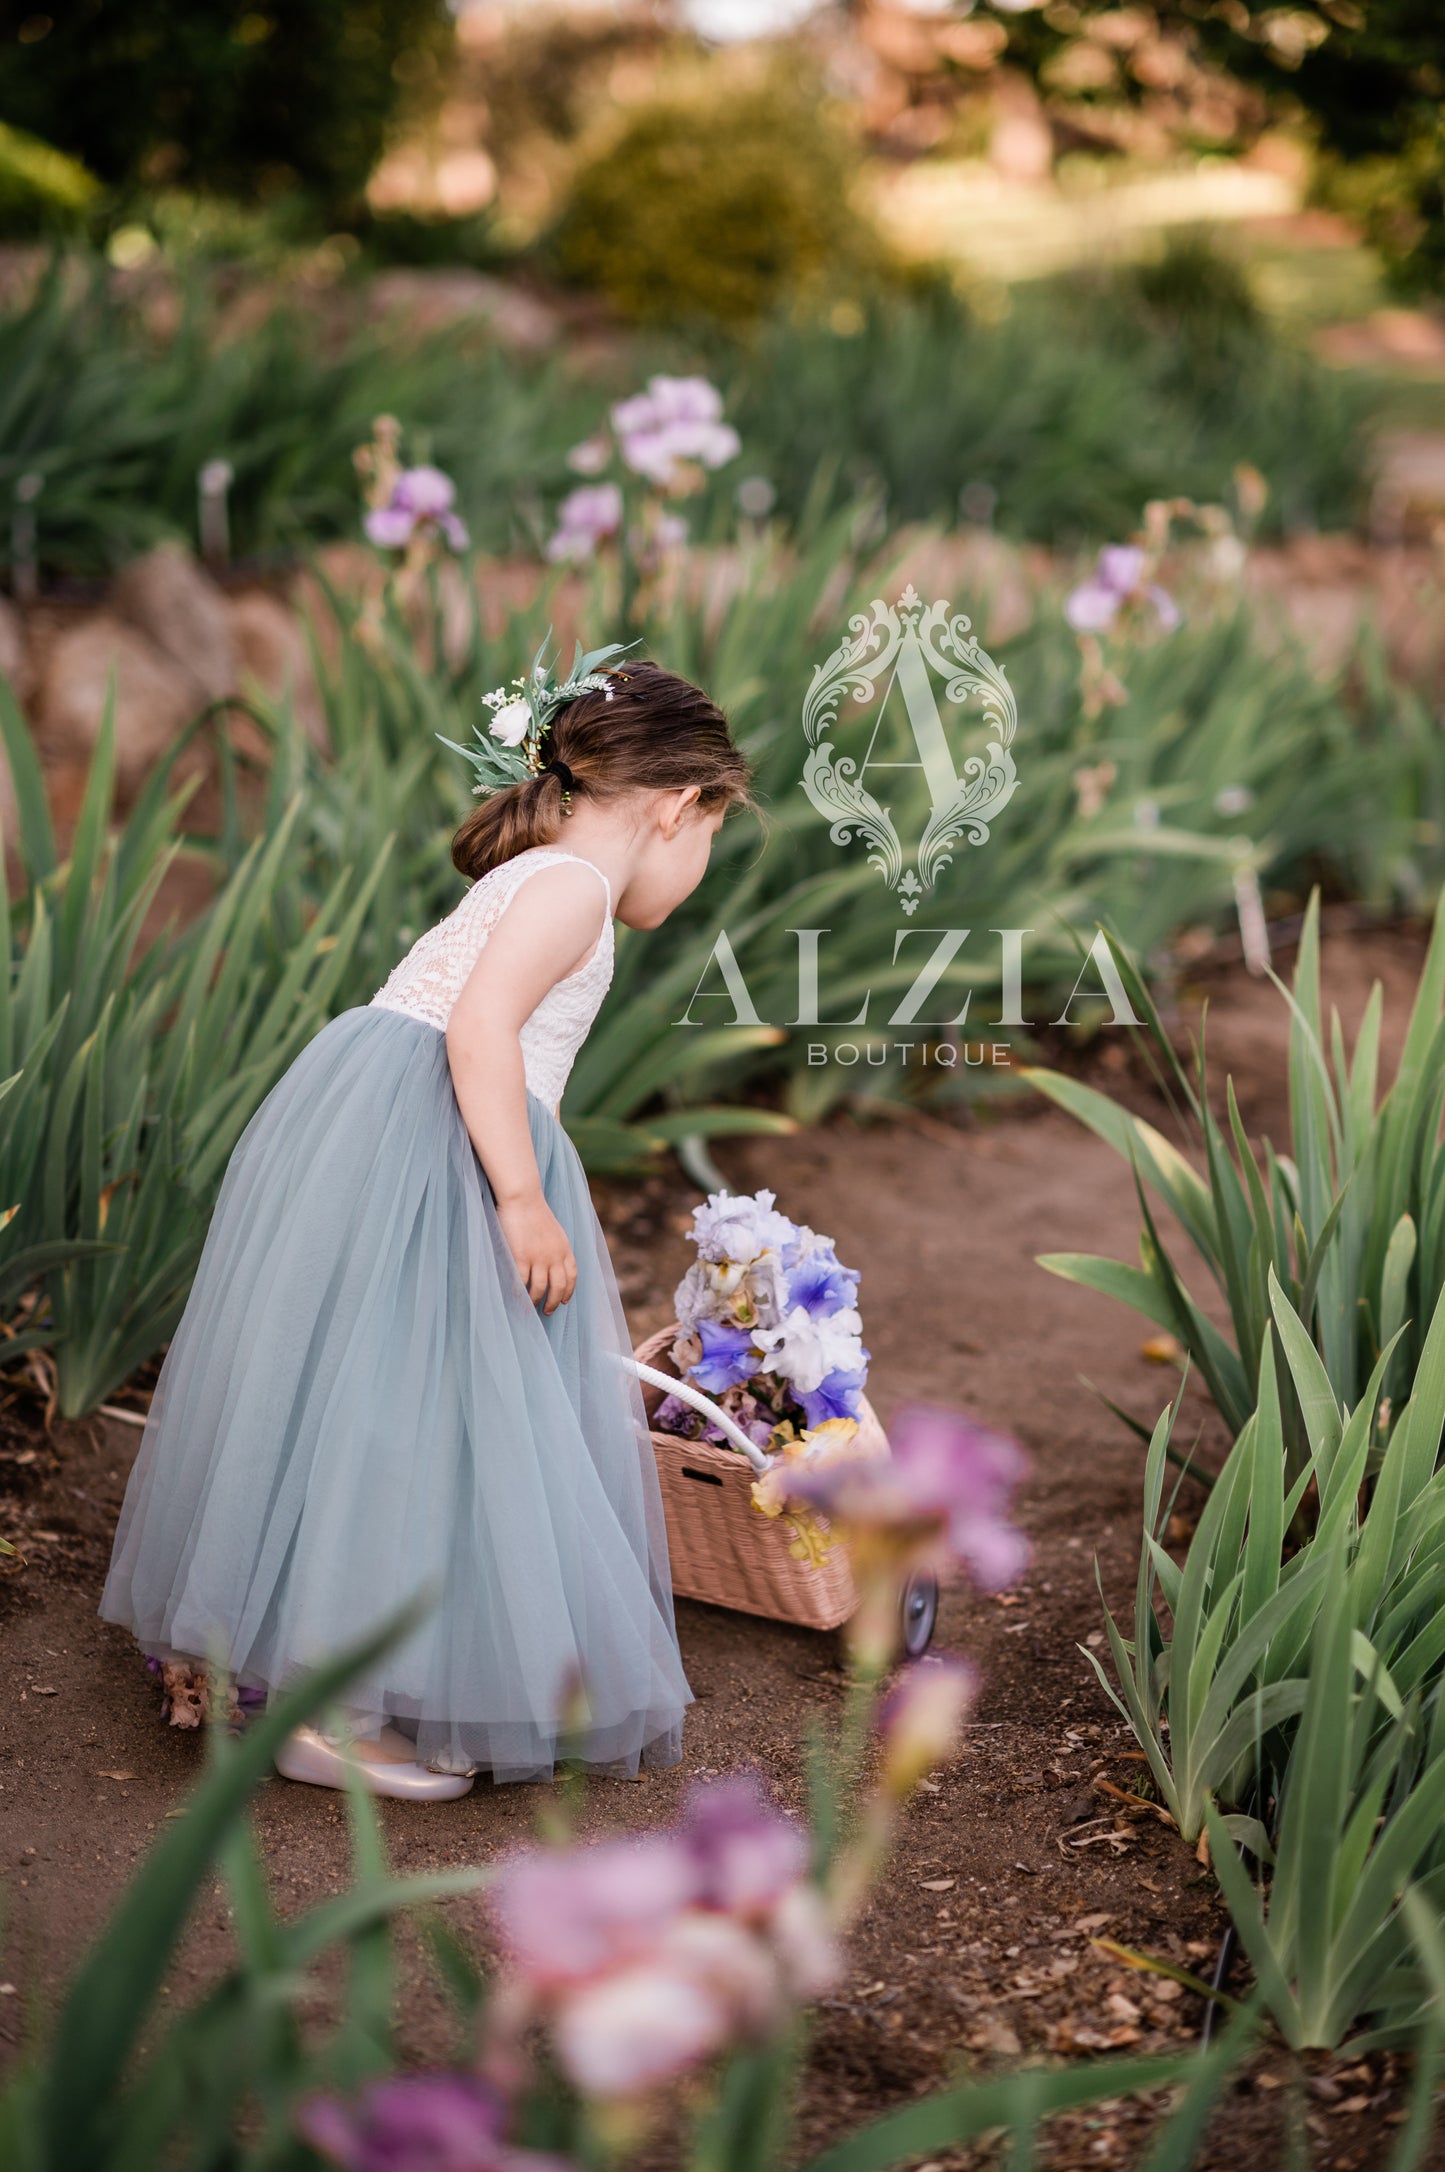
x: 347, y: 348
x: 1009, y: 268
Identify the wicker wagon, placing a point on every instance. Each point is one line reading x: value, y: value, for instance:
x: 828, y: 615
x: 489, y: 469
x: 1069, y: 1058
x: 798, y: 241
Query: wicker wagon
x: 723, y: 1551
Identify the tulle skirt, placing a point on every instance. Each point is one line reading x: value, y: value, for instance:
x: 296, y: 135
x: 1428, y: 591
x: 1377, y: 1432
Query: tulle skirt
x: 361, y: 1403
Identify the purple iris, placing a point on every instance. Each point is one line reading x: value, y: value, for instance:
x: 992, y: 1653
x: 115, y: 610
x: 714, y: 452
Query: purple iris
x: 1117, y: 579
x: 420, y: 498
x: 837, y: 1395
x: 729, y: 1357
x: 945, y: 1488
x: 419, y: 2123
x: 822, y: 1284
x: 746, y: 1853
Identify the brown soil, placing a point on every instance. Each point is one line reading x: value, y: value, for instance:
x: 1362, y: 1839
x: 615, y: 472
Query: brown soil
x: 979, y: 1943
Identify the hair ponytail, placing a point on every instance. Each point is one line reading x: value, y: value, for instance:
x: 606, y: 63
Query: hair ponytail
x: 656, y: 732
x: 508, y: 822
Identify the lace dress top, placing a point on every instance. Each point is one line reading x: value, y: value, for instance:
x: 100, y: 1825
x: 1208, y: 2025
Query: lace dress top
x: 427, y: 981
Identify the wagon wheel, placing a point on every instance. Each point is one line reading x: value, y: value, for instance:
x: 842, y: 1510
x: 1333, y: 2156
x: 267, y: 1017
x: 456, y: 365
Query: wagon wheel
x: 919, y: 1607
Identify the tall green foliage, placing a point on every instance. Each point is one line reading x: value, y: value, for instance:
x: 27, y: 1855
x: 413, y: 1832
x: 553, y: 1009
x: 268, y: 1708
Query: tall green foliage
x: 1068, y: 415
x: 138, y: 1070
x: 1294, y: 1707
x: 1093, y: 394
x: 1351, y: 1221
x: 116, y: 422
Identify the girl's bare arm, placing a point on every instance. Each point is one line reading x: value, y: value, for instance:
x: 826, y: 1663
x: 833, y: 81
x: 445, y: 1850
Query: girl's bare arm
x: 546, y: 932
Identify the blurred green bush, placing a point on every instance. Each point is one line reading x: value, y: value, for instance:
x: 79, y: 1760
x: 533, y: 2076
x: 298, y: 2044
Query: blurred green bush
x: 233, y: 96
x: 41, y: 190
x: 1092, y: 393
x: 1056, y: 423
x: 701, y: 207
x: 117, y: 419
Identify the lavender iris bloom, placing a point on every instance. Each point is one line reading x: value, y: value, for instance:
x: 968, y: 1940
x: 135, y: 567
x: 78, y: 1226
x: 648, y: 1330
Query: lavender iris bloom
x: 943, y: 1492
x: 822, y: 1284
x: 1117, y: 579
x: 420, y: 498
x: 585, y: 516
x: 746, y: 1854
x: 420, y: 2123
x: 729, y: 1357
x: 838, y: 1395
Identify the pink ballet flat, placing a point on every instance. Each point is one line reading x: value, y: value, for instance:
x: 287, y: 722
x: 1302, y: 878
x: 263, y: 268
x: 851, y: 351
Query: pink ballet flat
x: 309, y: 1757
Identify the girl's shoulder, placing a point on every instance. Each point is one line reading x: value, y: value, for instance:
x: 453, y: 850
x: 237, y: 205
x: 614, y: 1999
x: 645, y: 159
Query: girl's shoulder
x: 494, y: 889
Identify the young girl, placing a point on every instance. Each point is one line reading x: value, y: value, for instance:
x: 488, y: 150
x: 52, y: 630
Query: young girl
x: 397, y: 1367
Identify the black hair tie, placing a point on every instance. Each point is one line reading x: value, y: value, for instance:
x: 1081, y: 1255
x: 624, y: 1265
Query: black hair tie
x: 559, y: 769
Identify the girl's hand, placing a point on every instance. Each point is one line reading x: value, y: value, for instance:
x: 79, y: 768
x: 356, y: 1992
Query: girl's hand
x: 538, y: 1244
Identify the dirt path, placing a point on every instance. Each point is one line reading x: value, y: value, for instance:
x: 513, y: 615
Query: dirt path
x: 944, y: 1225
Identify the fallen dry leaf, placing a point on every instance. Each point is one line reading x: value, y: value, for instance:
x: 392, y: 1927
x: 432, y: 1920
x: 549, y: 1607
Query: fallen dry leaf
x: 104, y: 1775
x: 1135, y: 1802
x: 1114, y: 1838
x: 938, y: 1885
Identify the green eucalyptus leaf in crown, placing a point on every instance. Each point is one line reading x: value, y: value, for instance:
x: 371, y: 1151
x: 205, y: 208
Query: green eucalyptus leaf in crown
x: 509, y: 750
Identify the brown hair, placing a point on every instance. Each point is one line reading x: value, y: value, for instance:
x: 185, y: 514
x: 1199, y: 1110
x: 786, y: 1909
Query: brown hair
x: 657, y: 732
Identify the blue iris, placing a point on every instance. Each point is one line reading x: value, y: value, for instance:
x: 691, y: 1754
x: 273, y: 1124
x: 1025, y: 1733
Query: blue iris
x: 822, y: 1284
x: 729, y: 1357
x: 837, y: 1395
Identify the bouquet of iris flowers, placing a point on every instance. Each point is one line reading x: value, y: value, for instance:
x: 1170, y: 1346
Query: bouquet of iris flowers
x: 768, y: 1325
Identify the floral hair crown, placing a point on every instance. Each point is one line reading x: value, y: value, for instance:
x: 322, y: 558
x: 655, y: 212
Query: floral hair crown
x: 509, y: 751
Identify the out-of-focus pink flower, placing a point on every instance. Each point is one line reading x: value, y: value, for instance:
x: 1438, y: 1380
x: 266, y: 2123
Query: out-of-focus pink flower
x: 922, y: 1719
x: 942, y: 1494
x: 420, y: 2123
x: 425, y: 493
x: 389, y: 527
x: 421, y: 500
x: 586, y: 515
x: 591, y: 456
x: 566, y: 1917
x: 744, y: 1855
x: 650, y: 1955
x: 706, y: 1981
x: 1117, y: 580
x: 675, y: 421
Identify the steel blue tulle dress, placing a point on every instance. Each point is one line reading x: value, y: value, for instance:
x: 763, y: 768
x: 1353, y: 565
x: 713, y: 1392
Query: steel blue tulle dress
x: 361, y: 1400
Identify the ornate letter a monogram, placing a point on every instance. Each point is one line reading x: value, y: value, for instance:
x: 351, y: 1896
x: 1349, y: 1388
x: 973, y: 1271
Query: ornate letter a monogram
x: 910, y: 638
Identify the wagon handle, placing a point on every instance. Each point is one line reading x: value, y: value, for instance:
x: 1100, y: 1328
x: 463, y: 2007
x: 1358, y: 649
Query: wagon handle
x: 686, y: 1393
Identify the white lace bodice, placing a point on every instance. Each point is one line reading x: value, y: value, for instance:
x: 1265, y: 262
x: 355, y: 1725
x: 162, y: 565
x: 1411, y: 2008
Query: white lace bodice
x: 427, y: 981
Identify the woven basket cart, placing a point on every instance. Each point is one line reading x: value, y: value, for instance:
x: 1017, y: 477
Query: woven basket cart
x: 727, y: 1554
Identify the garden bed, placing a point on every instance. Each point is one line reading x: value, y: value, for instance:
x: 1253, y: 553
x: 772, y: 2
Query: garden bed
x: 1021, y: 1854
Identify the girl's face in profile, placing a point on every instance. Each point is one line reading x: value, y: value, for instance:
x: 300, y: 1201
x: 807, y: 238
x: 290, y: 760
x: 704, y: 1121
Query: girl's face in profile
x: 672, y: 860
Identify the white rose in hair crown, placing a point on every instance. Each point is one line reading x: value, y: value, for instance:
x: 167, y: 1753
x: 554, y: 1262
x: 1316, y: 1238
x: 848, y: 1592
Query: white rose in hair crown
x: 768, y: 1326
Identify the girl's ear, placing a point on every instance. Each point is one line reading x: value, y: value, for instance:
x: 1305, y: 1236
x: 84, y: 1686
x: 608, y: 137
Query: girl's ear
x: 675, y: 807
